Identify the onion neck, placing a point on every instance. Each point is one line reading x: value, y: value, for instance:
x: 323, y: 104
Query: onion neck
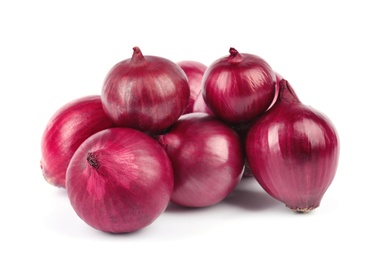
x: 234, y: 56
x: 92, y: 160
x: 137, y: 56
x: 286, y: 93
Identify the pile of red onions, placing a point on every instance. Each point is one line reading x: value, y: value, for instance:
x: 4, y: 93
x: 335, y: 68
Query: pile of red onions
x: 162, y: 132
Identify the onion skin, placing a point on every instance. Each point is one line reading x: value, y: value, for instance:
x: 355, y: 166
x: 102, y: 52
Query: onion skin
x: 147, y: 93
x: 66, y: 130
x: 200, y: 106
x: 238, y: 88
x: 277, y: 88
x: 194, y: 71
x: 207, y: 159
x: 119, y: 180
x: 293, y: 151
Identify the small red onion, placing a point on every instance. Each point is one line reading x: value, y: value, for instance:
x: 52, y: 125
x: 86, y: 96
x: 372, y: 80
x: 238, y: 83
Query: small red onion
x: 147, y: 93
x: 207, y: 159
x: 238, y: 88
x: 66, y: 130
x: 293, y: 151
x: 119, y: 180
x: 194, y: 71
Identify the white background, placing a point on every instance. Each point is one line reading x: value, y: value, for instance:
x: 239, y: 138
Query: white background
x: 54, y: 51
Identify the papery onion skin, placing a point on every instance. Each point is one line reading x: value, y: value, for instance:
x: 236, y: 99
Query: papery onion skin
x: 194, y: 71
x: 238, y: 88
x: 207, y: 159
x: 293, y: 150
x: 200, y: 106
x: 277, y: 88
x: 66, y: 130
x: 147, y: 93
x: 119, y: 180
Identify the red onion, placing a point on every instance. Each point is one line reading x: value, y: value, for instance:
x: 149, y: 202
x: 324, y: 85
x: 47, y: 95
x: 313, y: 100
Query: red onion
x: 66, y: 130
x: 207, y: 158
x: 147, y: 93
x: 194, y: 71
x: 119, y: 180
x: 293, y: 151
x: 239, y: 87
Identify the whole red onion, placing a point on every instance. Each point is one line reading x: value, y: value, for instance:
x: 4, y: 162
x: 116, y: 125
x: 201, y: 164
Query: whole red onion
x: 293, y: 151
x: 147, y: 93
x: 194, y: 71
x: 119, y: 180
x: 239, y: 87
x: 207, y: 158
x: 66, y: 130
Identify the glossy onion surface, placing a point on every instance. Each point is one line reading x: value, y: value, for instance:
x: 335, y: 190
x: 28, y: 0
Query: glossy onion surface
x: 66, y: 130
x: 119, y: 180
x: 200, y: 106
x: 207, y: 159
x: 147, y: 93
x: 238, y: 87
x: 194, y: 71
x: 293, y: 152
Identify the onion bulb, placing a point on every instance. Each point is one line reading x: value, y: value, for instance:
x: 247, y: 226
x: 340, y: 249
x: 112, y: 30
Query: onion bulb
x: 293, y: 151
x: 147, y: 93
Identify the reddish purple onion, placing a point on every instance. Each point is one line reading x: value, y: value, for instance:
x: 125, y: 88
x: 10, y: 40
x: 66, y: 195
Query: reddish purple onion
x: 119, y: 180
x: 194, y: 71
x: 147, y: 93
x: 66, y: 130
x: 207, y: 158
x: 238, y: 88
x: 293, y: 151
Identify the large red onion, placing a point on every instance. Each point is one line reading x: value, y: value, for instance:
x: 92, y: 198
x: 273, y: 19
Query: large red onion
x: 293, y: 151
x: 119, y: 180
x: 148, y: 93
x: 207, y: 159
x: 66, y: 130
x: 239, y: 87
x: 194, y: 71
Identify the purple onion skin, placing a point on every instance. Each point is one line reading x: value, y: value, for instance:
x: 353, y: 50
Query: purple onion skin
x: 119, y: 180
x: 200, y: 106
x: 147, y: 93
x: 194, y: 71
x: 293, y: 151
x: 278, y: 79
x: 207, y: 159
x: 238, y: 88
x: 66, y: 130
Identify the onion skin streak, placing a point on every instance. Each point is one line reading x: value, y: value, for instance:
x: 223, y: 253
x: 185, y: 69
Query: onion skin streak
x: 293, y: 151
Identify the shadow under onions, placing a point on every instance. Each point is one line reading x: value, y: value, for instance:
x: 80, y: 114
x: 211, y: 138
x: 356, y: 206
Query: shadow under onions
x: 175, y: 208
x: 250, y: 196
